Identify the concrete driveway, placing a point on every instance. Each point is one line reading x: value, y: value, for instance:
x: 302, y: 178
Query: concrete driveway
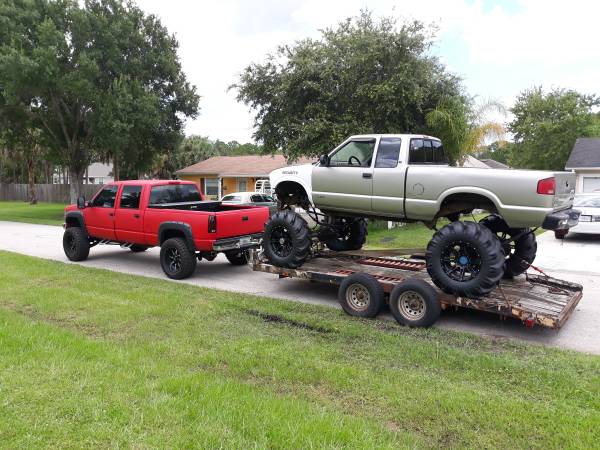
x: 576, y: 259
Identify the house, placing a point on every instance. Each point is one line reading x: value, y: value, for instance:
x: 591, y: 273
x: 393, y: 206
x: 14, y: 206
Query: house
x: 96, y: 173
x: 221, y: 175
x: 493, y: 164
x: 585, y: 162
x: 471, y: 161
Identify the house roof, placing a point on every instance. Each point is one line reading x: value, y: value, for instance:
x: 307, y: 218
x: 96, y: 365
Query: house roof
x: 585, y: 154
x: 471, y: 161
x: 239, y: 166
x: 494, y: 164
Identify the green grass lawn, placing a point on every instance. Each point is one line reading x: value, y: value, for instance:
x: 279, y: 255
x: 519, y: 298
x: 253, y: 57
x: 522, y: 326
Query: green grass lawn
x: 43, y: 213
x: 92, y: 358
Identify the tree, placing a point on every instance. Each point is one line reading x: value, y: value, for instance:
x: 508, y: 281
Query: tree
x: 463, y: 128
x: 546, y: 125
x: 101, y: 79
x: 364, y: 76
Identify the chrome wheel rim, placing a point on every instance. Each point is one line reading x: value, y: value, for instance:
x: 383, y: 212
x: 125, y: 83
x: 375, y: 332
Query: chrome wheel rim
x: 358, y: 297
x: 412, y: 305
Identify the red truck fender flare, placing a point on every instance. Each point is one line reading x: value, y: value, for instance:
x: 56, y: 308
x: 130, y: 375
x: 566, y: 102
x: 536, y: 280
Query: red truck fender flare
x: 167, y: 230
x: 75, y: 218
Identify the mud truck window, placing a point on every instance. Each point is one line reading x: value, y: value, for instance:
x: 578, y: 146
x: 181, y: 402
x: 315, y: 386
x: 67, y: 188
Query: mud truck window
x: 354, y: 154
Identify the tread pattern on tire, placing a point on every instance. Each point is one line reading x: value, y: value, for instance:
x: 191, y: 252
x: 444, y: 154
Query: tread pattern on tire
x: 375, y: 290
x: 525, y: 248
x: 298, y: 229
x: 489, y: 247
x: 188, y: 258
x: 357, y: 239
x: 82, y: 250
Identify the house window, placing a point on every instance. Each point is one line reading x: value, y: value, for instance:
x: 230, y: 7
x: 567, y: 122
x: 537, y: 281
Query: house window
x: 211, y: 187
x: 591, y: 184
x: 242, y: 185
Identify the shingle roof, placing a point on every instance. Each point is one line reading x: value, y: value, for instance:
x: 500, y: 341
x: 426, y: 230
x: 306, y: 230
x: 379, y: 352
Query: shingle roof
x: 238, y: 166
x: 585, y: 153
x: 494, y: 164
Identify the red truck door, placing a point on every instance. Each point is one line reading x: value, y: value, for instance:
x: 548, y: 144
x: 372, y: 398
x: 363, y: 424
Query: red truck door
x: 99, y: 217
x: 128, y: 215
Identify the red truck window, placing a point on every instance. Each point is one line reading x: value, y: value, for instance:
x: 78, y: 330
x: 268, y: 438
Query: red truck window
x: 174, y: 193
x: 130, y: 197
x: 106, y: 197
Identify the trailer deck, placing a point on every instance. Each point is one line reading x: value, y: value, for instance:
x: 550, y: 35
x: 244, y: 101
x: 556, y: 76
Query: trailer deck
x: 533, y: 299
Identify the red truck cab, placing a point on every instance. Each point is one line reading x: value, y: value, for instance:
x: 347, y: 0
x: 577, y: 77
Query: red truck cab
x: 140, y: 214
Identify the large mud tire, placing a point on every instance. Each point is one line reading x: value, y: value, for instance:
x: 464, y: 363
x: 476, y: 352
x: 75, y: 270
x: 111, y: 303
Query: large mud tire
x: 353, y: 237
x: 466, y: 259
x: 286, y: 241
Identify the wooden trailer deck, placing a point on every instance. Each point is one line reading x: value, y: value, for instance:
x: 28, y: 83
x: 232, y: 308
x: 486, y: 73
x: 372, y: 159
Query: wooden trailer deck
x: 533, y: 299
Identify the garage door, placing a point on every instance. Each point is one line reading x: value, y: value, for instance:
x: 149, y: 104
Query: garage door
x: 591, y: 184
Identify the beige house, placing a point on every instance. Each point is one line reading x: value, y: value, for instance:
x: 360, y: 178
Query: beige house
x: 223, y: 175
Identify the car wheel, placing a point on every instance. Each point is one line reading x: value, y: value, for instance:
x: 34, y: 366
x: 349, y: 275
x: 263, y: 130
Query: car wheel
x: 76, y: 244
x: 520, y: 254
x: 352, y: 235
x: 415, y: 303
x: 176, y: 259
x: 465, y: 258
x: 238, y: 257
x: 361, y: 295
x: 286, y: 242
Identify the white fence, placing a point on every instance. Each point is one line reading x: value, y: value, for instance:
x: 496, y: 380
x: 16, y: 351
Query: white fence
x: 55, y: 193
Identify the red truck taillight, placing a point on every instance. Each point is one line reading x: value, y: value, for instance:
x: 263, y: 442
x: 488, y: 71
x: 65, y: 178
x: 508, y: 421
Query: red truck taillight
x: 212, y: 224
x: 547, y: 186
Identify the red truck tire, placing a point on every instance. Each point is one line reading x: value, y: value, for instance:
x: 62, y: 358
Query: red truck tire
x: 177, y: 260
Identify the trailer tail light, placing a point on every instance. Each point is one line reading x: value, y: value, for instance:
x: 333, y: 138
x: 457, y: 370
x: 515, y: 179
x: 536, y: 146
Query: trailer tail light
x: 547, y: 186
x: 212, y: 224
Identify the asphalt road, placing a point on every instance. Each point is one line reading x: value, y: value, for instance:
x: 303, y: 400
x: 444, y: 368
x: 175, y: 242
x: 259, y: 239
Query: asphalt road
x: 576, y: 259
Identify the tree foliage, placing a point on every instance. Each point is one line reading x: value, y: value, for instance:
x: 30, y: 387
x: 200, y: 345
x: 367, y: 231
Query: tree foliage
x: 546, y: 125
x: 99, y: 77
x: 365, y: 76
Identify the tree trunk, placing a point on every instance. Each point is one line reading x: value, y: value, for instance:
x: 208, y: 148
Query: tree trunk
x: 116, y: 167
x: 31, y: 180
x: 75, y: 187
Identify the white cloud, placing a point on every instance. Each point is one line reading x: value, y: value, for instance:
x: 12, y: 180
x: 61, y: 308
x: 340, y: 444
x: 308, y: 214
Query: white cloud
x: 500, y: 48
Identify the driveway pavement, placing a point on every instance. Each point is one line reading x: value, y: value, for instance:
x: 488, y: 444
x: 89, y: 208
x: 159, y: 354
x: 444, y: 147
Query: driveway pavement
x: 576, y: 259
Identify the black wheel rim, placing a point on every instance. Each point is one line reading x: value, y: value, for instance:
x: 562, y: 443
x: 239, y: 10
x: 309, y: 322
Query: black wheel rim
x: 461, y: 261
x: 71, y: 244
x: 173, y: 260
x: 281, y: 241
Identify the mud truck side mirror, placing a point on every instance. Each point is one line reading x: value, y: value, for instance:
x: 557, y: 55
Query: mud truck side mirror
x: 324, y: 160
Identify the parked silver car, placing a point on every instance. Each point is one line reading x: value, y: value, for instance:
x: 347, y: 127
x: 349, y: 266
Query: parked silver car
x: 589, y: 220
x: 251, y: 198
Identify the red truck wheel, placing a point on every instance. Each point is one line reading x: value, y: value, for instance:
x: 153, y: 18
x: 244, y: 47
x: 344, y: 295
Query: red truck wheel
x: 177, y: 260
x: 238, y: 257
x: 76, y: 244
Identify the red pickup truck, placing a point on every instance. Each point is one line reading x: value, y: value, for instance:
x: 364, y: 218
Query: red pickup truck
x: 170, y: 214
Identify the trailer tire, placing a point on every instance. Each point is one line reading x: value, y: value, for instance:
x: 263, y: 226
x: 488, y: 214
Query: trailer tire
x: 76, y: 244
x: 238, y: 257
x: 286, y: 242
x: 465, y: 258
x: 176, y: 259
x: 361, y: 295
x: 353, y: 237
x: 415, y: 303
x: 519, y: 257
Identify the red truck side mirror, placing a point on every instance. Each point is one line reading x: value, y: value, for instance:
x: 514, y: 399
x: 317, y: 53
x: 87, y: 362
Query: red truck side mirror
x: 81, y: 202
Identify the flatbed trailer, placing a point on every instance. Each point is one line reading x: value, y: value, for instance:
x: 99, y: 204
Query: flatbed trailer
x: 535, y: 299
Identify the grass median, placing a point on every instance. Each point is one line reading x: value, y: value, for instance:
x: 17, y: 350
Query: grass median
x: 94, y: 358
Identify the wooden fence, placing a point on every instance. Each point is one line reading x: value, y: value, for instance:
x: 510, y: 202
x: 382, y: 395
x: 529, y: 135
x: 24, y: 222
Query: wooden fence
x: 55, y: 193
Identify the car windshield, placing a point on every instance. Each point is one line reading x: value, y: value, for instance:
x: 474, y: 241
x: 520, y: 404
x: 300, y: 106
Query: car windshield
x: 591, y: 201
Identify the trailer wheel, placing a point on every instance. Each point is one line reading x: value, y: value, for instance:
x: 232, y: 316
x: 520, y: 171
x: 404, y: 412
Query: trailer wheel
x: 286, y: 242
x: 415, y: 303
x: 238, y: 257
x: 177, y: 260
x: 465, y: 258
x: 361, y: 295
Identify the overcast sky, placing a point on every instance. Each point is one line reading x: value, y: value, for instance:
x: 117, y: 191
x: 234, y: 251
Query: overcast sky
x: 499, y: 47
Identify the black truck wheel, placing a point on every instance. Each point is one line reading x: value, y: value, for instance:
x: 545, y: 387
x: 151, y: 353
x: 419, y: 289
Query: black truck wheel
x: 415, y: 303
x: 520, y: 253
x: 138, y: 248
x: 177, y: 260
x: 76, y: 244
x: 352, y: 235
x: 238, y: 257
x: 361, y: 295
x: 286, y: 242
x: 465, y: 258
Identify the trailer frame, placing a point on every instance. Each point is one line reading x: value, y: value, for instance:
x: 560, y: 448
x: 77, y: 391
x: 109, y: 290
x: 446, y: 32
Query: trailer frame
x: 534, y: 299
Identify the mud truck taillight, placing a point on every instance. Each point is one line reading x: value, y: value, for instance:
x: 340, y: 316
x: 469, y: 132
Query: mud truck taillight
x: 212, y: 224
x: 547, y: 186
